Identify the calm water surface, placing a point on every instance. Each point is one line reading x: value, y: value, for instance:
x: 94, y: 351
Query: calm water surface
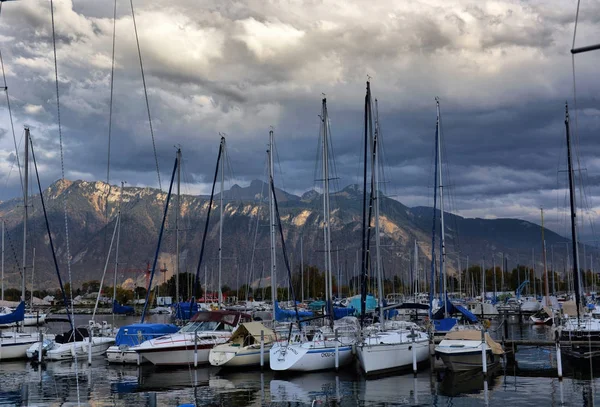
x: 64, y: 383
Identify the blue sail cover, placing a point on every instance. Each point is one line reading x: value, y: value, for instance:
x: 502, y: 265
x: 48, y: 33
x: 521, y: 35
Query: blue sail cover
x: 288, y: 315
x: 340, y: 312
x: 185, y: 310
x: 122, y: 309
x: 17, y: 315
x: 454, y: 309
x: 135, y: 334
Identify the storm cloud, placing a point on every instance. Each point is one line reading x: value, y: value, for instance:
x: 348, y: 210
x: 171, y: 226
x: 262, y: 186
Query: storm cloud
x: 502, y: 70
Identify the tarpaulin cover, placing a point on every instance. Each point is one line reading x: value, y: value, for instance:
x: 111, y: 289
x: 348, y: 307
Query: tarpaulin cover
x: 122, y: 309
x: 185, y: 310
x: 135, y: 334
x: 287, y: 315
x: 16, y: 316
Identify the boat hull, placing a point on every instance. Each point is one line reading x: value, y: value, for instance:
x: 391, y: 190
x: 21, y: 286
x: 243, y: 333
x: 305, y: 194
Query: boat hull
x: 177, y: 356
x: 380, y: 358
x: 467, y: 360
x: 79, y: 349
x: 298, y: 358
x: 16, y: 347
x: 231, y: 356
x: 124, y: 356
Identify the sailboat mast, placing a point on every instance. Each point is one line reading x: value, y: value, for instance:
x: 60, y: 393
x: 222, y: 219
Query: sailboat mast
x: 301, y: 269
x: 25, y: 211
x: 544, y: 257
x: 272, y: 223
x: 220, y: 299
x: 416, y: 271
x: 441, y: 187
x: 576, y: 280
x: 2, y: 293
x: 326, y: 211
x: 177, y: 214
x: 117, y: 247
x: 375, y: 178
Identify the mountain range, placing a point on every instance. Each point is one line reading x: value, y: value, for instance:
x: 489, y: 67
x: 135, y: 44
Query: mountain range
x: 91, y: 209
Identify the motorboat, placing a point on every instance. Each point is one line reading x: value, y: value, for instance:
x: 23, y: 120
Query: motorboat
x: 530, y: 305
x: 133, y: 335
x: 244, y: 347
x: 392, y: 349
x: 194, y: 341
x: 542, y: 317
x: 462, y: 350
x: 76, y: 343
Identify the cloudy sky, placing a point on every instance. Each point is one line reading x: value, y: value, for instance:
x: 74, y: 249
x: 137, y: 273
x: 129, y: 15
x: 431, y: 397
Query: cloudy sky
x: 502, y: 70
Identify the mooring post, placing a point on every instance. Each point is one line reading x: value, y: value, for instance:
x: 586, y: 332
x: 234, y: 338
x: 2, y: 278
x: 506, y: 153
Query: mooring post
x: 262, y: 348
x: 558, y: 357
x: 483, y: 352
x: 337, y: 351
x: 195, y: 348
x: 414, y: 352
x: 91, y: 340
x: 41, y: 348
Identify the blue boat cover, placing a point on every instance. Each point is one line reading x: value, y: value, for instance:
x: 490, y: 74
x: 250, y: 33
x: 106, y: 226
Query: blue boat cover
x: 288, y: 315
x: 122, y: 309
x: 444, y: 324
x: 17, y: 315
x: 455, y: 309
x: 184, y: 310
x: 316, y: 305
x: 138, y: 333
x: 370, y: 303
x: 339, y: 312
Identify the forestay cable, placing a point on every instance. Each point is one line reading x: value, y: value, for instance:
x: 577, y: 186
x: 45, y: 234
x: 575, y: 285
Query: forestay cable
x: 146, y: 95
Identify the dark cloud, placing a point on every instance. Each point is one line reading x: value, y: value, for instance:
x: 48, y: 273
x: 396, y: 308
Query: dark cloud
x: 502, y: 71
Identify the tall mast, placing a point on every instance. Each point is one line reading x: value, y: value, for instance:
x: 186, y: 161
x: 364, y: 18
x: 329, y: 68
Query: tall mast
x: 416, y: 271
x: 177, y: 214
x: 441, y: 187
x: 326, y: 211
x: 117, y: 247
x: 301, y: 269
x: 2, y: 294
x: 25, y: 211
x: 576, y: 279
x: 544, y: 257
x: 220, y: 299
x: 375, y: 178
x: 272, y: 223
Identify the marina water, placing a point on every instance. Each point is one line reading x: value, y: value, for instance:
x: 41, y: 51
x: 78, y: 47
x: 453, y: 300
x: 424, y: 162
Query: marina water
x: 532, y: 382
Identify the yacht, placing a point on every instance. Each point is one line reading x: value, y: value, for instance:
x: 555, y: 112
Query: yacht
x: 205, y: 330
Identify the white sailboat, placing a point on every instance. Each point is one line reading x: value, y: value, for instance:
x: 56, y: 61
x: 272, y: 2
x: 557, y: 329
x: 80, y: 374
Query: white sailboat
x: 326, y: 349
x: 14, y: 345
x: 386, y: 347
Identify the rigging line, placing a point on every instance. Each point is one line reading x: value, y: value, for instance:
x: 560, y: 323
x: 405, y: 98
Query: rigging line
x: 12, y: 126
x: 62, y: 168
x: 12, y: 164
x: 259, y: 205
x: 110, y: 109
x: 146, y: 95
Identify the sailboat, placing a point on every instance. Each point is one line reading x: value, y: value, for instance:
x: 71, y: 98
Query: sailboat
x: 576, y: 327
x: 14, y: 345
x: 384, y: 347
x: 463, y: 345
x: 251, y: 343
x: 326, y: 348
